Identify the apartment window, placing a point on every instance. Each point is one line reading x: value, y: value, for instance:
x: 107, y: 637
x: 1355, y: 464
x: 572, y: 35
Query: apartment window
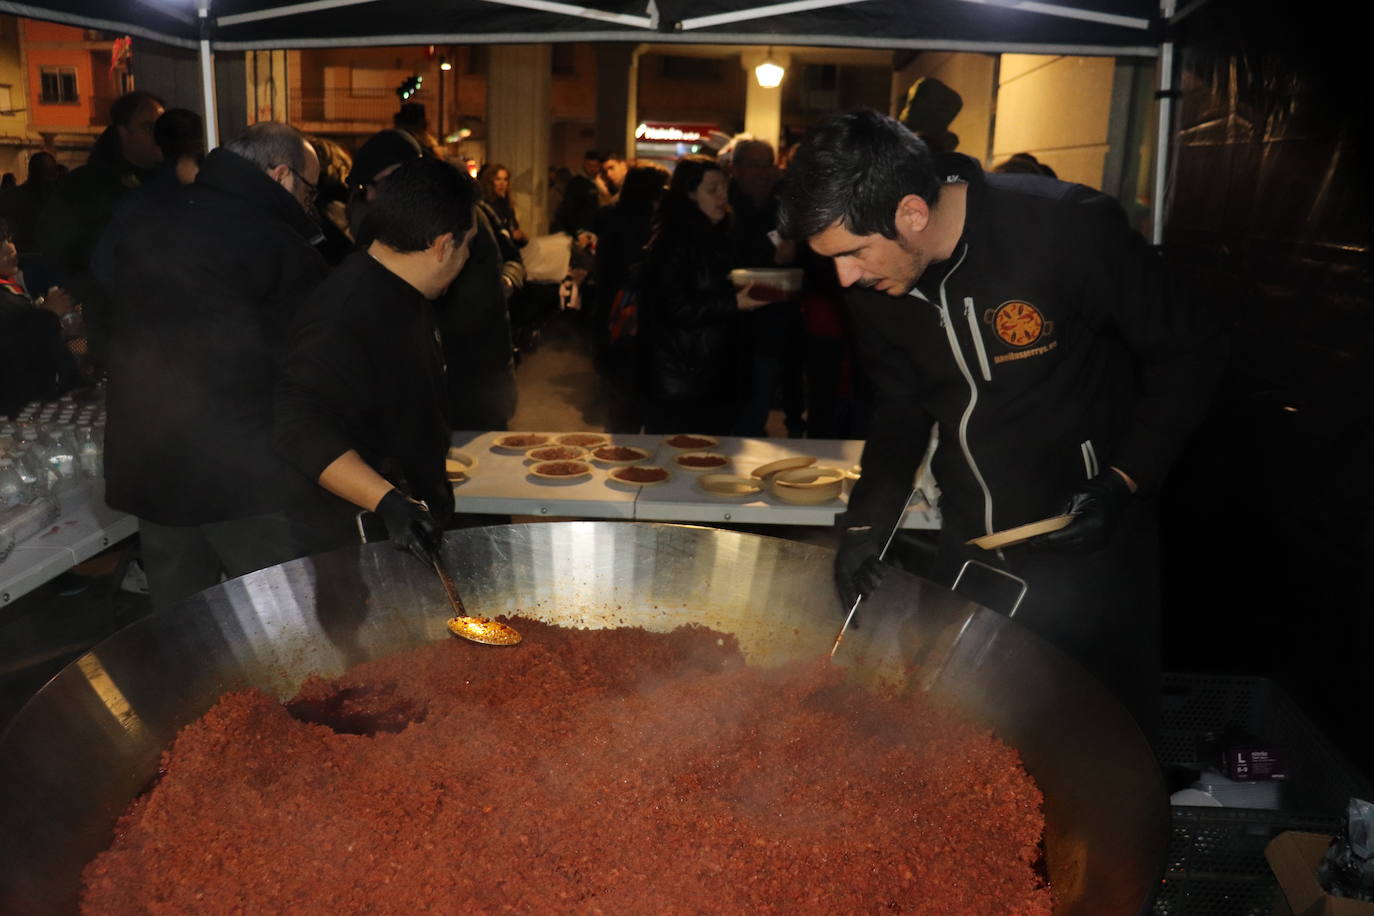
x: 58, y: 85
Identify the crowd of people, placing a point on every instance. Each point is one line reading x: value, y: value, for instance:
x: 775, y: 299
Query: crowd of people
x: 288, y: 329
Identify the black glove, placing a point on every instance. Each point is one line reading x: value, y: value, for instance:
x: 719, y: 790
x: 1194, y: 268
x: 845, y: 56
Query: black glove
x: 410, y: 525
x: 1097, y: 507
x: 858, y: 571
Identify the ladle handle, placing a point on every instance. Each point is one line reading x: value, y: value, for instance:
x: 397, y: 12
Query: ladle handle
x: 450, y: 588
x: 1001, y: 572
x: 891, y: 536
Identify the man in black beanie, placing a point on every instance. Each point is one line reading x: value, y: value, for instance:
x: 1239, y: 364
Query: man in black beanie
x: 377, y: 158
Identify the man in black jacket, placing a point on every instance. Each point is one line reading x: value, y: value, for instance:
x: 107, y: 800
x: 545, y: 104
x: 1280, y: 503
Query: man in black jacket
x: 124, y: 158
x: 473, y: 315
x: 772, y: 335
x: 201, y: 284
x: 361, y: 407
x: 1042, y: 334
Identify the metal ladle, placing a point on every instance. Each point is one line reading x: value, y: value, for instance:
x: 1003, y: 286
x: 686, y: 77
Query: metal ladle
x: 890, y: 537
x: 483, y: 630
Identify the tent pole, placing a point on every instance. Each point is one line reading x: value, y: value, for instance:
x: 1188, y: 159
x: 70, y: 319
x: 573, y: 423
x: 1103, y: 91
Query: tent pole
x: 1165, y: 128
x: 207, y: 77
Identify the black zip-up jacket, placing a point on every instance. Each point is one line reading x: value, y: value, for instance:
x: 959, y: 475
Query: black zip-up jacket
x: 201, y: 285
x: 1050, y: 346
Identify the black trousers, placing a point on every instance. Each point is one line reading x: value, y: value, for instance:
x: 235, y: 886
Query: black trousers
x: 183, y: 560
x: 1102, y: 609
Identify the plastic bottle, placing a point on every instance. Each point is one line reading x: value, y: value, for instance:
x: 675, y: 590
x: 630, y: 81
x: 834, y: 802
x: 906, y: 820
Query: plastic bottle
x: 33, y: 470
x: 88, y: 452
x: 13, y: 492
x: 62, y: 454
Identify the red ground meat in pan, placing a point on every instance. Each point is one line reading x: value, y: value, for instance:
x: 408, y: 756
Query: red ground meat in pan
x: 600, y: 771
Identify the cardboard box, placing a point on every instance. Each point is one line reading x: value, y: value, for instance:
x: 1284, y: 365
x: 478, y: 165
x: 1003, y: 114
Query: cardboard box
x: 1294, y: 858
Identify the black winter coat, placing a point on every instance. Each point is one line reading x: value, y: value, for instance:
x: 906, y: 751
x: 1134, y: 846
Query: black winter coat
x: 201, y: 285
x: 35, y: 364
x: 73, y: 221
x: 688, y: 316
x: 474, y: 323
x: 1050, y: 346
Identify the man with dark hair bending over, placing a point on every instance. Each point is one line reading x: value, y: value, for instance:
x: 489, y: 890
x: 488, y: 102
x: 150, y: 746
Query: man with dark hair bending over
x: 360, y: 408
x: 1026, y: 318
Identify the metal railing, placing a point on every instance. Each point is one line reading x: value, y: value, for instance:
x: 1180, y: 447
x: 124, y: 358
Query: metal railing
x: 348, y: 105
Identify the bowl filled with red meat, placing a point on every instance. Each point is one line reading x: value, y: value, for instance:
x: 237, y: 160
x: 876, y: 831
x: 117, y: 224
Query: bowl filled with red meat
x: 619, y: 455
x: 640, y: 475
x: 691, y: 442
x: 560, y: 470
x: 556, y: 453
x: 520, y: 442
x: 701, y: 461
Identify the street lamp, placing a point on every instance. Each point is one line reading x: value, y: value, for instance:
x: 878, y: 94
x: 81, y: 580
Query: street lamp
x: 768, y: 73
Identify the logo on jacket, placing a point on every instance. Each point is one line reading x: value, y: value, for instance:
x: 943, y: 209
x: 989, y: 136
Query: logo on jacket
x: 1017, y: 323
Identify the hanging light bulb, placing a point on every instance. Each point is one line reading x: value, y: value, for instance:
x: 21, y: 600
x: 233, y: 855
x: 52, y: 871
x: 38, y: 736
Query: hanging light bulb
x: 768, y: 73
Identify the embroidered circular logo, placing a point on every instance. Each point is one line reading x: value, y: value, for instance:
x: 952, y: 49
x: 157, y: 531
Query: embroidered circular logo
x: 1018, y: 323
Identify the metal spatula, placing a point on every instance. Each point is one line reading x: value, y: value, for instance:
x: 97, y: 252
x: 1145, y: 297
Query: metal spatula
x: 890, y: 537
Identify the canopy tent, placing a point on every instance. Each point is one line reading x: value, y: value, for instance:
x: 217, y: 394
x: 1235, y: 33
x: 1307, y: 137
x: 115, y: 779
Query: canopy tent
x: 1101, y: 27
x: 1117, y: 27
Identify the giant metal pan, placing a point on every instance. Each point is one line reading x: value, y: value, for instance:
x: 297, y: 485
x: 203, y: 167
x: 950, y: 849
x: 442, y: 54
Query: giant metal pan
x: 89, y: 742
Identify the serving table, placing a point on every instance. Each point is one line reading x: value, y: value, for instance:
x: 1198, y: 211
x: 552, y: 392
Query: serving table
x: 500, y: 484
x: 85, y: 527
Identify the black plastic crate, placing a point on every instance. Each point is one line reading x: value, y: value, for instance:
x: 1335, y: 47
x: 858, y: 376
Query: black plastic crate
x: 1320, y: 780
x: 1216, y: 864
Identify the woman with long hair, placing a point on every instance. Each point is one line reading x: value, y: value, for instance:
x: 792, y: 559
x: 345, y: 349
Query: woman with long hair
x: 687, y: 323
x: 495, y: 181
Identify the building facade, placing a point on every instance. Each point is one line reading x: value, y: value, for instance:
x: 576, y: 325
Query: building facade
x: 56, y: 86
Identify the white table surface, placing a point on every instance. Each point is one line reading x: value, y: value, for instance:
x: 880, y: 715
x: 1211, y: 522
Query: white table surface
x: 501, y: 485
x: 85, y: 527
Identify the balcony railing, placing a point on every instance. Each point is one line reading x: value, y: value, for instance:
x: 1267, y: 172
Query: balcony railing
x: 367, y: 105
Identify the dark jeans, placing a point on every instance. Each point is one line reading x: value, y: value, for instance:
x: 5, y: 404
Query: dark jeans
x: 183, y: 560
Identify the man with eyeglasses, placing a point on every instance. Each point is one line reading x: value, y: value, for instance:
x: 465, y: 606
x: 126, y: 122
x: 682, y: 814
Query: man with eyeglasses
x: 202, y: 286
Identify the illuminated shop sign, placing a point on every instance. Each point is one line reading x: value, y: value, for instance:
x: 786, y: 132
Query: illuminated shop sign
x: 672, y: 133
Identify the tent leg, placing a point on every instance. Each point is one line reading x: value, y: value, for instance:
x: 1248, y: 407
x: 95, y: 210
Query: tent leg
x: 207, y: 82
x: 1165, y: 128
